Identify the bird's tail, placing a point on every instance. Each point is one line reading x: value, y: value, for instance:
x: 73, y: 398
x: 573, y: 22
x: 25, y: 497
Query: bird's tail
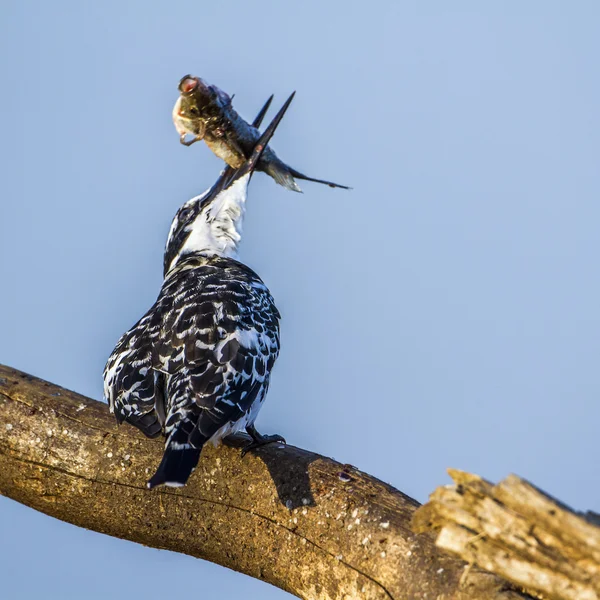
x: 179, y: 460
x: 286, y: 177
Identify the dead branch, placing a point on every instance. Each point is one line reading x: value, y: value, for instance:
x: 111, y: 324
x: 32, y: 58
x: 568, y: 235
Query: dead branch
x: 305, y: 523
x: 517, y: 531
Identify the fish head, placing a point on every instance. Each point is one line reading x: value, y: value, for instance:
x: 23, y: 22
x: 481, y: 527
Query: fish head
x: 196, y: 95
x: 187, y: 118
x: 190, y: 110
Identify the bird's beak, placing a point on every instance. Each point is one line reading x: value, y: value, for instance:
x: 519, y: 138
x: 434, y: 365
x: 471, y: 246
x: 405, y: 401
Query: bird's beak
x: 263, y: 111
x: 259, y: 148
x: 230, y: 175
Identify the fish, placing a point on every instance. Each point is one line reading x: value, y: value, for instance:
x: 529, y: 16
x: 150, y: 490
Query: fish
x: 205, y: 112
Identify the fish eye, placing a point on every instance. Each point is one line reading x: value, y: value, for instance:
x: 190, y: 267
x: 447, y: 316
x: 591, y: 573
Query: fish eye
x: 194, y: 111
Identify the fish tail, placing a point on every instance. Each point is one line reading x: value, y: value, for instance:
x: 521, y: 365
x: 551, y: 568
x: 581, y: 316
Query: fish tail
x: 282, y: 175
x: 293, y: 173
x: 286, y: 176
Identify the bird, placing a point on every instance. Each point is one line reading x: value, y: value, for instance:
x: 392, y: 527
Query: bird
x: 196, y: 367
x: 206, y: 112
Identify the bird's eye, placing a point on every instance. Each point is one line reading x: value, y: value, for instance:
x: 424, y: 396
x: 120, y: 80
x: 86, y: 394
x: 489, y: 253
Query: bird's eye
x: 185, y: 214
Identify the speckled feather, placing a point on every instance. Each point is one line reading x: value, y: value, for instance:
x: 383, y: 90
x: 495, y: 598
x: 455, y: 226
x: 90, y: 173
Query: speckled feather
x: 204, y: 352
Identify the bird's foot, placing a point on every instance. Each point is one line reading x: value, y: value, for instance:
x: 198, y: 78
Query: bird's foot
x: 259, y: 440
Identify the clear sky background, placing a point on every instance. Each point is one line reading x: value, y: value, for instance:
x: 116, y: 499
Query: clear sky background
x: 445, y: 313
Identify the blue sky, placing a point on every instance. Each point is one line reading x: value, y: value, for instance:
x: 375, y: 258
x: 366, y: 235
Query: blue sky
x: 444, y: 313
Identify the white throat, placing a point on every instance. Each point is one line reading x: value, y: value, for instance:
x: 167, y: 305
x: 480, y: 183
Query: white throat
x: 218, y: 228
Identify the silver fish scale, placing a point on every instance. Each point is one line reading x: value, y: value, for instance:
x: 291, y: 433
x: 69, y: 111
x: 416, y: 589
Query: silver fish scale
x: 199, y: 361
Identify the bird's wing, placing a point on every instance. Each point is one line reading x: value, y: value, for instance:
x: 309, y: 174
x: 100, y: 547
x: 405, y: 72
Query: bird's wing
x: 218, y: 343
x: 130, y: 383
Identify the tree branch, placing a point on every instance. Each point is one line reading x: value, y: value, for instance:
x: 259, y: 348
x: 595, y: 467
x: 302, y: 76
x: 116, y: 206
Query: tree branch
x: 519, y: 532
x: 300, y: 521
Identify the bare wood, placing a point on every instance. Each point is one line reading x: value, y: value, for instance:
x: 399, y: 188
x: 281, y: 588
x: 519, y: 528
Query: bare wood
x: 515, y: 530
x: 305, y: 523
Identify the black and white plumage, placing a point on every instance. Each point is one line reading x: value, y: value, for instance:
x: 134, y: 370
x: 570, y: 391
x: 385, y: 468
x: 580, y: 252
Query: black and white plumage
x: 196, y: 366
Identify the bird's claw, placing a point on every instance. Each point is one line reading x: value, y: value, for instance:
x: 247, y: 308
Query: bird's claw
x: 261, y: 440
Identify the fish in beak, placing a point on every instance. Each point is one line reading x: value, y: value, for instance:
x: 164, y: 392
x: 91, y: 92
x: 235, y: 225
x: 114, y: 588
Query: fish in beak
x: 205, y: 112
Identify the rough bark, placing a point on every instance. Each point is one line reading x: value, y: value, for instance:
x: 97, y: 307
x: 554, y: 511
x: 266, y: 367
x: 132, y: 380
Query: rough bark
x: 519, y: 532
x: 305, y: 523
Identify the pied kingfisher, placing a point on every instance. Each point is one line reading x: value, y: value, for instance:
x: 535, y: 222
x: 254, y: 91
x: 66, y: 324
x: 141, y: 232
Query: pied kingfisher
x: 196, y: 366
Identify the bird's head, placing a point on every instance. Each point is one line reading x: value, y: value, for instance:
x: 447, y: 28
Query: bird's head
x: 211, y: 223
